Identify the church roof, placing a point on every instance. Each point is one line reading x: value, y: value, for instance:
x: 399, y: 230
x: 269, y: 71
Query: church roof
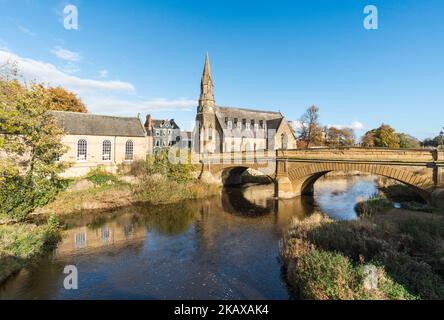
x: 77, y: 123
x: 249, y: 114
x: 274, y: 123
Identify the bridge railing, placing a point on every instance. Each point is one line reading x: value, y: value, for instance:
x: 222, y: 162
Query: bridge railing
x: 419, y: 156
x: 236, y: 157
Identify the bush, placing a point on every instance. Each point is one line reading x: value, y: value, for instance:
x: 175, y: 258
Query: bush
x: 100, y: 177
x: 19, y: 243
x: 407, y: 249
x: 374, y: 205
x: 323, y: 275
x: 19, y: 194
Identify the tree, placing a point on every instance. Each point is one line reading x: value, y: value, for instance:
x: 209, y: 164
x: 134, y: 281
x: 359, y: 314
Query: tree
x: 29, y: 148
x: 368, y: 140
x: 407, y: 141
x: 384, y: 137
x: 310, y: 131
x: 339, y: 137
x: 62, y: 100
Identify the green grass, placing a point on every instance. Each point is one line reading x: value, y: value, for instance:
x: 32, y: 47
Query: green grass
x: 325, y: 275
x: 159, y: 190
x: 407, y: 248
x: 374, y: 205
x: 20, y: 243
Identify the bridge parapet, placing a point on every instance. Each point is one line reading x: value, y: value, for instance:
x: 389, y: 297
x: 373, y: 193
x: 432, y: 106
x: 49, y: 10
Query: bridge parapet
x: 419, y: 156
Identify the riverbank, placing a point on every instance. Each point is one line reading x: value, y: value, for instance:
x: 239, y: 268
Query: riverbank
x: 396, y: 254
x: 92, y: 199
x: 21, y: 243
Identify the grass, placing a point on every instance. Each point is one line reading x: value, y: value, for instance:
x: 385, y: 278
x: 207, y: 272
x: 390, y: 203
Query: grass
x: 324, y: 259
x: 158, y: 190
x: 106, y: 196
x: 374, y: 205
x: 21, y: 242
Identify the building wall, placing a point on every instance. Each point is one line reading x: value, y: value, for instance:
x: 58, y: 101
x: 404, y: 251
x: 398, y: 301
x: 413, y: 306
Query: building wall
x: 94, y: 153
x: 284, y: 128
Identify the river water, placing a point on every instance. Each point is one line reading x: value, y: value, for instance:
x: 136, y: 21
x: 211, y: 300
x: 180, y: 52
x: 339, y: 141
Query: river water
x: 225, y: 247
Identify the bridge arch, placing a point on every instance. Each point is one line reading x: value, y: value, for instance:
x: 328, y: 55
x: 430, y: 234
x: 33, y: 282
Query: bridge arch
x: 304, y: 177
x: 232, y: 175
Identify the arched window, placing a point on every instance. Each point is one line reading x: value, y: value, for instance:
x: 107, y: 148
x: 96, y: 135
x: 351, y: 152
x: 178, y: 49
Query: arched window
x: 106, y: 150
x: 82, y: 148
x: 129, y: 150
x: 284, y: 142
x: 210, y: 133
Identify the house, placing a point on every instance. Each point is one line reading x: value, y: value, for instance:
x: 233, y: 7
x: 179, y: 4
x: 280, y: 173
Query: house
x: 94, y: 140
x: 228, y: 129
x: 163, y: 133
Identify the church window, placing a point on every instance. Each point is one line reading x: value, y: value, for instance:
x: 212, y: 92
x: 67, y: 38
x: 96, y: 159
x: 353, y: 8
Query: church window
x: 210, y: 133
x: 244, y: 123
x: 129, y: 150
x: 82, y: 146
x: 261, y: 124
x: 229, y: 125
x: 106, y: 150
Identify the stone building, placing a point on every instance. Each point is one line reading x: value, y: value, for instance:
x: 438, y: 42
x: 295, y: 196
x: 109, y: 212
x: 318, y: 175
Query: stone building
x: 94, y: 140
x: 228, y: 129
x: 163, y: 133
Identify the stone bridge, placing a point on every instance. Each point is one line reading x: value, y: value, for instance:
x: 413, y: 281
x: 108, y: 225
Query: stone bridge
x: 296, y: 171
x: 420, y: 169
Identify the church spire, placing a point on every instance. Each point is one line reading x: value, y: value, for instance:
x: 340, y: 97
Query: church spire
x: 206, y: 87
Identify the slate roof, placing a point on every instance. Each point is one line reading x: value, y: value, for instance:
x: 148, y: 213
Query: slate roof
x: 77, y: 123
x: 249, y: 114
x: 158, y: 123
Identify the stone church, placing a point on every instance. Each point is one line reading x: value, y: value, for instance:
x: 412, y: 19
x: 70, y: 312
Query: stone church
x: 226, y: 129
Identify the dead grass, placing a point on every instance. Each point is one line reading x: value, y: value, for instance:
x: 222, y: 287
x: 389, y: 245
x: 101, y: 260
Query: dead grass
x: 407, y: 248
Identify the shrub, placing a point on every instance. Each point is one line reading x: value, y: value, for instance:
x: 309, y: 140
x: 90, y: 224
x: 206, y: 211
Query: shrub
x: 100, y: 177
x: 407, y: 249
x: 374, y: 205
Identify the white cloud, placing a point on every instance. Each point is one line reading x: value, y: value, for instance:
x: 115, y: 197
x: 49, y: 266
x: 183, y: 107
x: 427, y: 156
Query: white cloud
x: 66, y: 55
x: 100, y: 96
x: 48, y: 73
x: 356, y: 125
x: 103, y: 73
x: 113, y: 105
x: 26, y: 31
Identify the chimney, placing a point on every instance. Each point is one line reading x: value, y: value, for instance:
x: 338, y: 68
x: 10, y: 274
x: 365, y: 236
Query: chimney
x: 149, y: 123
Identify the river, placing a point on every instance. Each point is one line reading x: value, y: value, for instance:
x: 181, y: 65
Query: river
x: 225, y: 247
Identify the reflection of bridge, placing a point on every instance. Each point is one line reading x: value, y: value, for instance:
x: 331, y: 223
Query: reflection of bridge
x: 297, y: 170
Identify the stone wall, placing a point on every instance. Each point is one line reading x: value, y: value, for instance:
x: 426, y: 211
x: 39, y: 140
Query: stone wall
x: 94, y: 153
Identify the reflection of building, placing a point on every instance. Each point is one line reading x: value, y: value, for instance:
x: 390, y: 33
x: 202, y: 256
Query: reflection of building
x: 223, y: 129
x: 83, y: 238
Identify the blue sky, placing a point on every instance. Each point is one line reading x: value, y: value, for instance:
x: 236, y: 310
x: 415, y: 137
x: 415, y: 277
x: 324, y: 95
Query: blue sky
x: 130, y: 57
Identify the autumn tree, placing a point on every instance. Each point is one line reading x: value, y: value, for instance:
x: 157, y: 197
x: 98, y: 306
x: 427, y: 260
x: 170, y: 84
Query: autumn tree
x: 62, y: 100
x: 339, y: 137
x: 309, y: 130
x: 407, y: 141
x: 383, y: 137
x: 29, y: 149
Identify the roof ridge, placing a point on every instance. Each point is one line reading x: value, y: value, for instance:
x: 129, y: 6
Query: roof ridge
x: 247, y: 109
x: 94, y: 114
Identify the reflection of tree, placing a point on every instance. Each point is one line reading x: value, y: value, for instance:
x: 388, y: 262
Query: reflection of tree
x: 168, y: 219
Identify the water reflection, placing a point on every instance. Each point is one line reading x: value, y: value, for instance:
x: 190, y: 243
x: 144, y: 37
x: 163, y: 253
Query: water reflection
x: 220, y: 248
